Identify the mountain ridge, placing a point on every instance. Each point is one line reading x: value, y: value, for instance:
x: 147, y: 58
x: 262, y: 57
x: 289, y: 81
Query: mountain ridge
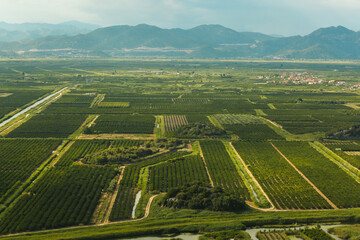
x: 204, y: 41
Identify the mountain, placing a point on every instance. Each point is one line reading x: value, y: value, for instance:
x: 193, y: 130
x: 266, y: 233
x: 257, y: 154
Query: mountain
x: 324, y: 43
x: 26, y: 31
x: 205, y: 41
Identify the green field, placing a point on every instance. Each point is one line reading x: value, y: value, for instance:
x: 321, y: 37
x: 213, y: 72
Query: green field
x: 130, y: 133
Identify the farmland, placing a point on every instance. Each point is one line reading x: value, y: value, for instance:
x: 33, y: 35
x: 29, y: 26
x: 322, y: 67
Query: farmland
x: 124, y: 124
x: 284, y: 186
x: 46, y: 126
x: 177, y: 173
x: 340, y: 188
x: 127, y: 134
x: 174, y: 122
x: 222, y: 170
x: 19, y: 158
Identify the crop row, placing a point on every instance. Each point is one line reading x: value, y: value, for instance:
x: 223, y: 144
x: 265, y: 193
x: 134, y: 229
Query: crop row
x: 114, y: 104
x: 156, y: 106
x: 81, y: 148
x: 124, y: 123
x: 237, y: 119
x: 62, y: 197
x: 75, y: 98
x: 336, y: 184
x: 173, y: 122
x: 45, y: 126
x: 19, y: 158
x: 344, y: 151
x: 177, y: 173
x: 126, y: 196
x: 252, y: 132
x: 17, y: 99
x: 286, y: 188
x: 221, y: 168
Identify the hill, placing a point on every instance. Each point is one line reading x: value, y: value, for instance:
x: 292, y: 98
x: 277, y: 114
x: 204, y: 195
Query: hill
x: 205, y: 41
x: 28, y: 31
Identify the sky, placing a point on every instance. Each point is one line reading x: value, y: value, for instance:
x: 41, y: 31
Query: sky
x: 281, y: 17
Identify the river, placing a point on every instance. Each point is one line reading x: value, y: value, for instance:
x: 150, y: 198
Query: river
x: 30, y: 107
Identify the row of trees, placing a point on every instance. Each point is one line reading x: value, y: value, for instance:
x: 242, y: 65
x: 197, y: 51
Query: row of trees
x: 198, y: 195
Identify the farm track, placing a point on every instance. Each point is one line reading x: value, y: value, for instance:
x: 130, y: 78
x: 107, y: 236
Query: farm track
x: 217, y: 121
x: 115, y: 136
x: 147, y: 212
x: 254, y: 179
x: 275, y: 124
x: 53, y: 163
x: 113, y: 197
x: 313, y: 185
x: 37, y: 106
x: 207, y: 170
x: 345, y: 165
x: 93, y: 121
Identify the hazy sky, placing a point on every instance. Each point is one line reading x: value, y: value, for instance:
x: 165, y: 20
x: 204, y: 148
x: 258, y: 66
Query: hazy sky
x: 285, y: 17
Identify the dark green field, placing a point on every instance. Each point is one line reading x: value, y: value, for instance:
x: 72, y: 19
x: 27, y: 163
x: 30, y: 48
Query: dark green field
x: 128, y: 136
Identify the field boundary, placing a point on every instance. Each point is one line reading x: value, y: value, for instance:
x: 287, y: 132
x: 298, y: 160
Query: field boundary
x: 313, y: 185
x: 252, y: 177
x: 88, y: 121
x: 204, y: 161
x: 114, y: 195
x: 248, y: 180
x: 107, y: 136
x: 215, y: 122
x: 32, y: 179
x: 339, y: 161
x: 147, y: 212
x: 28, y: 111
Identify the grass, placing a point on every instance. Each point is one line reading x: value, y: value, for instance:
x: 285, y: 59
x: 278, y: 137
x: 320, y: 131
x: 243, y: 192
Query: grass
x: 162, y: 220
x: 260, y: 112
x: 344, y: 165
x: 271, y: 106
x: 114, y: 104
x: 259, y: 200
x: 351, y: 232
x: 37, y: 174
x: 214, y: 121
x: 307, y: 137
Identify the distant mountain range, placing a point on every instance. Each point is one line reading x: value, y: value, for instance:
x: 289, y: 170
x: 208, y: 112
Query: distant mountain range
x: 26, y: 31
x: 205, y: 41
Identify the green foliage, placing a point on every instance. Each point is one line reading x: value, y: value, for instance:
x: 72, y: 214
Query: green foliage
x: 177, y: 173
x: 126, y: 195
x: 197, y: 195
x: 347, y: 151
x: 350, y: 133
x: 45, y: 126
x: 237, y: 119
x: 17, y: 99
x: 252, y: 132
x: 118, y: 155
x: 199, y: 130
x: 19, y: 158
x: 124, y: 124
x: 316, y: 234
x: 226, y: 235
x: 331, y: 180
x: 62, y: 197
x: 285, y: 187
x: 82, y: 148
x: 222, y: 169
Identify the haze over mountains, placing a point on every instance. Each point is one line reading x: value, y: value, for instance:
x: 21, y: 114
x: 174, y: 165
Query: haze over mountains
x: 205, y: 41
x: 25, y: 31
